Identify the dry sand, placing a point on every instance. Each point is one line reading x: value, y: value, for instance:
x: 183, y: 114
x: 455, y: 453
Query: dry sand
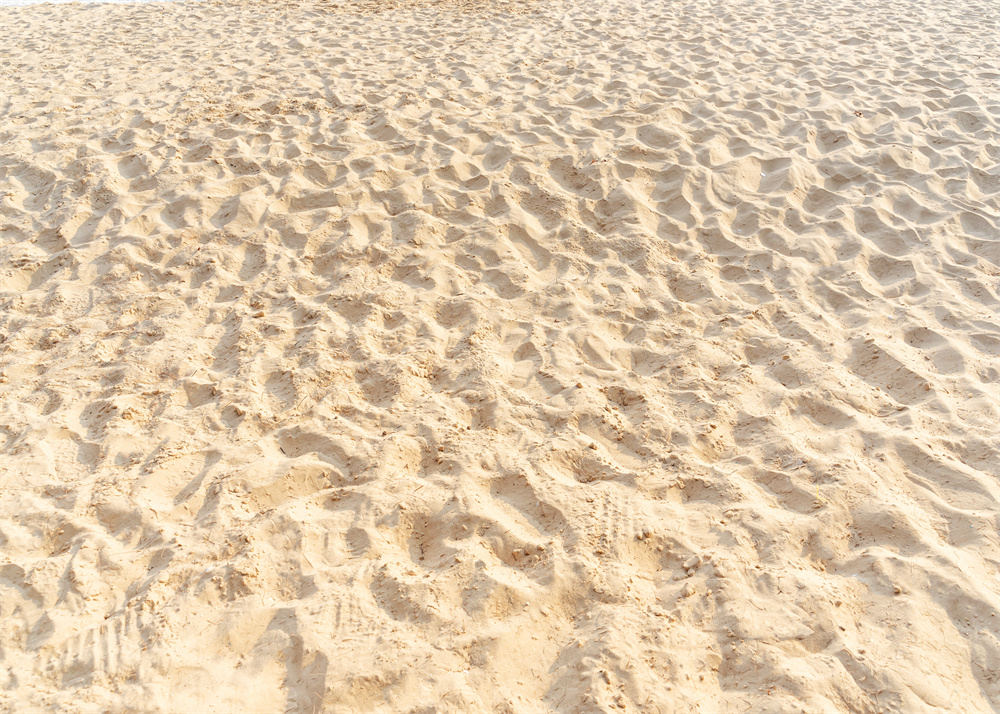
x: 526, y: 357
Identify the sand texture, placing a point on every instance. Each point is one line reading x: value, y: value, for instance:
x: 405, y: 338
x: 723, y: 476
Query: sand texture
x: 500, y: 357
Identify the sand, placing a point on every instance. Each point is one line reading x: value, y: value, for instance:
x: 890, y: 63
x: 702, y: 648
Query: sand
x: 511, y: 357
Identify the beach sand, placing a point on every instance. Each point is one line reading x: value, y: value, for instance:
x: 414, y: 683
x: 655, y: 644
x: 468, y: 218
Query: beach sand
x: 500, y: 357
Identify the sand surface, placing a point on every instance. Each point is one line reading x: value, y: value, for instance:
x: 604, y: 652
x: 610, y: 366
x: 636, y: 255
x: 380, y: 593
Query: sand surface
x: 512, y: 357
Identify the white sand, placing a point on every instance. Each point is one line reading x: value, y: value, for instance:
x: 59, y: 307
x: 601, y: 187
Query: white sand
x: 526, y: 357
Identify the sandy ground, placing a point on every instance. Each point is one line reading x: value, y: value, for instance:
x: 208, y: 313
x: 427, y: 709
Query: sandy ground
x: 527, y: 357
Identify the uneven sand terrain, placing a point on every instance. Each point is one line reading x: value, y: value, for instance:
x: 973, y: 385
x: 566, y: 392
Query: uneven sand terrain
x: 526, y: 357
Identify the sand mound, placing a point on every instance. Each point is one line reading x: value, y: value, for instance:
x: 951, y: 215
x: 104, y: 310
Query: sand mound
x: 493, y: 357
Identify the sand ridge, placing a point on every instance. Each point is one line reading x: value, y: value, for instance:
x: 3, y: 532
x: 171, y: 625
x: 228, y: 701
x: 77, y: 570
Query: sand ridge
x: 500, y: 357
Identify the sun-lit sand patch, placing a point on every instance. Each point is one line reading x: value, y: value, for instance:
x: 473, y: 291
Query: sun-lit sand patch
x: 500, y: 357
